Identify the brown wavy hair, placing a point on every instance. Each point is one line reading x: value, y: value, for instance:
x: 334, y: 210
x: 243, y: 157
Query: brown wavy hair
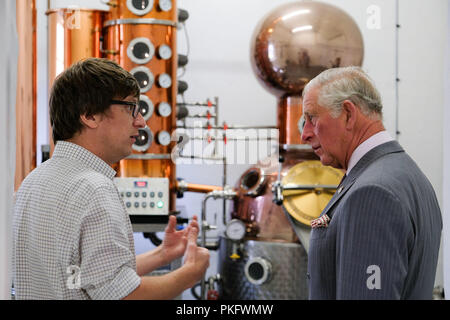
x: 86, y: 88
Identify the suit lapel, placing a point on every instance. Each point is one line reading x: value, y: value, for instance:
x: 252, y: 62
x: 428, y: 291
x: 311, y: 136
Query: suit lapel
x: 358, y: 169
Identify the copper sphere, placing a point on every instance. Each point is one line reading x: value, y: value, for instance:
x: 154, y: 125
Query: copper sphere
x: 296, y: 41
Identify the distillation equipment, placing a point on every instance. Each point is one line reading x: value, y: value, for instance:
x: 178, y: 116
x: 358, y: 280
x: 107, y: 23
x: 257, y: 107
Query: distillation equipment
x: 263, y: 249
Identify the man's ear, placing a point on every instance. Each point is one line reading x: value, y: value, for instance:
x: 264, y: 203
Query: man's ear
x: 350, y: 112
x: 91, y: 121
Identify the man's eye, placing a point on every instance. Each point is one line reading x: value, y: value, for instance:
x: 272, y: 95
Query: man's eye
x: 313, y: 120
x: 301, y: 124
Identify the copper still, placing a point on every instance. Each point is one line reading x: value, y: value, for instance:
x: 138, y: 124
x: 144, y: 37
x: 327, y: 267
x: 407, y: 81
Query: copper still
x: 291, y: 45
x: 141, y: 37
x: 73, y: 34
x: 26, y: 90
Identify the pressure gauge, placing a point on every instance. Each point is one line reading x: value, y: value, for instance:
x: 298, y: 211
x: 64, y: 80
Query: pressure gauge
x: 164, y: 109
x: 164, y: 138
x: 165, y: 5
x: 235, y: 229
x: 164, y: 52
x: 164, y: 80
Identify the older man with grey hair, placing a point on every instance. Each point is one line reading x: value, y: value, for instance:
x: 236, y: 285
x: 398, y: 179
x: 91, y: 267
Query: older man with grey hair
x: 379, y: 236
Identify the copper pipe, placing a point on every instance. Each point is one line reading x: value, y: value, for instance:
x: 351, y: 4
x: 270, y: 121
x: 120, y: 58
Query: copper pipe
x: 26, y: 90
x: 289, y: 113
x: 193, y: 187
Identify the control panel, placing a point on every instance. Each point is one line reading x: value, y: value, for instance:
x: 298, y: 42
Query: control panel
x: 144, y: 196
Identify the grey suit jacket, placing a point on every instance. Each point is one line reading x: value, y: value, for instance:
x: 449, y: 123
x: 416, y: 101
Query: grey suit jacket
x: 384, y: 235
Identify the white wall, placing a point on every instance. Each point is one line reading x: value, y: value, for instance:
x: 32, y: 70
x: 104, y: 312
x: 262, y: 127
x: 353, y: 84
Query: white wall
x: 220, y: 34
x: 8, y: 80
x: 446, y: 180
x: 422, y: 44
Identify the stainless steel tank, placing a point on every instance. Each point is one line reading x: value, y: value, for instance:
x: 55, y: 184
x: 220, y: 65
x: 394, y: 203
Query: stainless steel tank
x: 263, y: 254
x: 268, y: 271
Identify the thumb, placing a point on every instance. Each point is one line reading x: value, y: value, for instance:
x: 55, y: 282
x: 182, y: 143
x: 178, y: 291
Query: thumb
x: 191, y: 244
x: 192, y: 236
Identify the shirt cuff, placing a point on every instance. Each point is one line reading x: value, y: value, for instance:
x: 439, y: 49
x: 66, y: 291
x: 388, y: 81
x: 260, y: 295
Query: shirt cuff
x: 125, y: 282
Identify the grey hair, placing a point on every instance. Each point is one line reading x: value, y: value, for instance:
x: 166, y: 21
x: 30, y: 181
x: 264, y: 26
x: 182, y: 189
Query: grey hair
x: 347, y: 83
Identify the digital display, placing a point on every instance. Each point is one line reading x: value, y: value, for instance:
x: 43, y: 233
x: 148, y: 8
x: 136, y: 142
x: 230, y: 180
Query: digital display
x: 140, y: 184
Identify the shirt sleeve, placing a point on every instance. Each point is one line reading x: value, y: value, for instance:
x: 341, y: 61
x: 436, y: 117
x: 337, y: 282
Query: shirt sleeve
x: 372, y: 248
x: 108, y: 261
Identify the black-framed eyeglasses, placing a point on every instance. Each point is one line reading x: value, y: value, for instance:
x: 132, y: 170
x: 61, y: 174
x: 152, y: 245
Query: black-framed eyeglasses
x: 135, y: 107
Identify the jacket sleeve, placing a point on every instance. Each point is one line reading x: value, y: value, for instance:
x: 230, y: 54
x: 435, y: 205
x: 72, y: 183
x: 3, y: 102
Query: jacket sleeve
x: 372, y: 248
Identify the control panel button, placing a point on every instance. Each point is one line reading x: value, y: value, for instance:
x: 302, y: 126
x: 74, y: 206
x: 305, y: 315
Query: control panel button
x: 145, y: 195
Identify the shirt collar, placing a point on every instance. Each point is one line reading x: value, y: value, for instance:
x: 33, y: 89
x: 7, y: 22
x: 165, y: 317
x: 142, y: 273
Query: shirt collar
x: 65, y: 149
x: 374, y: 141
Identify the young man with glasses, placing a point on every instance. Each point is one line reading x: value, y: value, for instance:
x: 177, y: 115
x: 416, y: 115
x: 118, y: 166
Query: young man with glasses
x: 72, y: 237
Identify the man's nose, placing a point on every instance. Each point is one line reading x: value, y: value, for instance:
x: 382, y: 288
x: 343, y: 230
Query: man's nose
x: 307, y: 133
x: 139, y: 121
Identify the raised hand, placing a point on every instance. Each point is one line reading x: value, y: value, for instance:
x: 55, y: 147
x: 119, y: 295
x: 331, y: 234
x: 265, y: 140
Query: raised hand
x: 196, y: 258
x: 174, y: 243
